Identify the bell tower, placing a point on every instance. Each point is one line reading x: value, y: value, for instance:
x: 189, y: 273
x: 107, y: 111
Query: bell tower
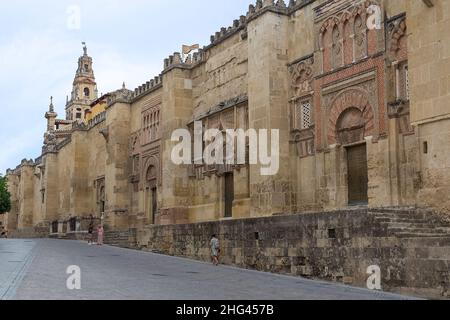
x: 84, y: 90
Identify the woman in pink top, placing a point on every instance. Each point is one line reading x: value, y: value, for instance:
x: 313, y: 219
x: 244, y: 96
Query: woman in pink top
x: 100, y: 233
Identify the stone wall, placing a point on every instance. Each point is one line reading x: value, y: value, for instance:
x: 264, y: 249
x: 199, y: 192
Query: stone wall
x: 429, y: 55
x: 122, y: 239
x: 29, y: 233
x: 335, y: 246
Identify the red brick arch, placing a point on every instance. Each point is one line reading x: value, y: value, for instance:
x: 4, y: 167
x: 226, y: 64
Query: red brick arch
x: 353, y: 98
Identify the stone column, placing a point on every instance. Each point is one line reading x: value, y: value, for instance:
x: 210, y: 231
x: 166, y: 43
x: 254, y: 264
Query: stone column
x: 117, y: 135
x: 26, y: 187
x: 79, y: 182
x: 11, y: 222
x: 268, y: 109
x: 177, y: 112
x: 51, y: 203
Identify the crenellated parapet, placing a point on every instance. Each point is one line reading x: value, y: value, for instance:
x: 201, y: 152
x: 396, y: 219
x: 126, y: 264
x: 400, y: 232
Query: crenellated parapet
x: 254, y: 11
x: 177, y: 60
x: 276, y: 6
x: 262, y: 6
x: 17, y: 171
x: 147, y: 87
x: 226, y: 32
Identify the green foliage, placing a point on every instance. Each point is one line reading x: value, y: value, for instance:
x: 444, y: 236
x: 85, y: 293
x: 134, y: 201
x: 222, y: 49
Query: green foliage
x: 5, y: 197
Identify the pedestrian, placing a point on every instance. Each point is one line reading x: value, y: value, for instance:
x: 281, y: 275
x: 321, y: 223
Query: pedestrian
x: 215, y: 249
x: 100, y: 233
x: 91, y: 231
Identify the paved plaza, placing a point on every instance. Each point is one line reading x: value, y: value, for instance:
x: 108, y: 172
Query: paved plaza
x: 36, y: 269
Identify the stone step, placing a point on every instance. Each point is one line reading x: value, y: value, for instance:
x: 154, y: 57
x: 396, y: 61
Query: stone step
x: 421, y: 216
x: 408, y: 221
x: 416, y: 235
x: 400, y: 225
x: 420, y: 230
x: 435, y: 242
x: 393, y: 209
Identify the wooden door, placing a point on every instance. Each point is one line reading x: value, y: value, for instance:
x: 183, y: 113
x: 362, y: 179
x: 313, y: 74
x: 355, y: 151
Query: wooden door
x: 229, y: 195
x: 358, y: 177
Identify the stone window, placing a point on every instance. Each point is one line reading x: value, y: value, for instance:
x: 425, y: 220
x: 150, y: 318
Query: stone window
x: 150, y: 125
x: 403, y: 91
x: 406, y: 81
x: 86, y: 68
x: 87, y: 92
x: 303, y: 115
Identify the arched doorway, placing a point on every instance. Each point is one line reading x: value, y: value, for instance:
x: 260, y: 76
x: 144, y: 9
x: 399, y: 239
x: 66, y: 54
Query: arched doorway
x: 151, y: 194
x: 102, y: 200
x: 350, y: 132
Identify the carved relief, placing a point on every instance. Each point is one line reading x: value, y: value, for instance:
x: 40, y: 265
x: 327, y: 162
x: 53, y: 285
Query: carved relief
x: 360, y: 36
x: 397, y: 43
x: 231, y: 118
x: 302, y: 77
x: 302, y: 116
x: 350, y: 127
x: 337, y: 47
x: 304, y: 142
x: 342, y: 33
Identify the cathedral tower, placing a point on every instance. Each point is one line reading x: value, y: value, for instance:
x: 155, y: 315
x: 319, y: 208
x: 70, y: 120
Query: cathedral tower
x: 84, y: 89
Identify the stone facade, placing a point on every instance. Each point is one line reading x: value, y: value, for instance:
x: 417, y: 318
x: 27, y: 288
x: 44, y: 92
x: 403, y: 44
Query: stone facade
x: 363, y: 118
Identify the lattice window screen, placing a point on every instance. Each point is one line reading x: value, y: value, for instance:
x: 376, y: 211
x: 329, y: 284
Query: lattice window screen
x: 406, y: 82
x: 305, y: 115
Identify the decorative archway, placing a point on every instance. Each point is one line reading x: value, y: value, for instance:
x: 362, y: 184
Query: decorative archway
x: 151, y: 177
x: 151, y: 182
x: 350, y: 127
x: 350, y: 109
x: 151, y: 171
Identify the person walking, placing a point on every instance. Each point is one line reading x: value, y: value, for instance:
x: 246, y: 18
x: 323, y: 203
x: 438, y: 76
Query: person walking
x: 215, y: 249
x: 91, y: 231
x: 100, y: 234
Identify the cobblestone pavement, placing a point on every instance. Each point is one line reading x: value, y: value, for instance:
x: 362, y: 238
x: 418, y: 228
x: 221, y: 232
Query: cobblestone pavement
x: 37, y: 270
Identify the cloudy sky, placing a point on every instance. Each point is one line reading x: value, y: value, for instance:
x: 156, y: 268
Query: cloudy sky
x: 40, y: 44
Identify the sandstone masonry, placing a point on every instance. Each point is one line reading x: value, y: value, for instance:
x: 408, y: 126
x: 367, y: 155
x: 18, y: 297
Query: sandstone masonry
x: 364, y: 121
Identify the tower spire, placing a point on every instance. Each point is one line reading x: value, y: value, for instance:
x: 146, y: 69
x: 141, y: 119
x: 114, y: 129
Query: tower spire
x: 84, y: 88
x: 51, y: 107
